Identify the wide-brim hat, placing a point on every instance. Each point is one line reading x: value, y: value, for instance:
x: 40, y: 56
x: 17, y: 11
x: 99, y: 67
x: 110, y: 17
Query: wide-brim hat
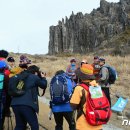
x: 85, y: 72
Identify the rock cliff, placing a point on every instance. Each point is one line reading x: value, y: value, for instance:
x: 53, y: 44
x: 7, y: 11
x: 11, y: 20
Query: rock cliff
x: 83, y: 33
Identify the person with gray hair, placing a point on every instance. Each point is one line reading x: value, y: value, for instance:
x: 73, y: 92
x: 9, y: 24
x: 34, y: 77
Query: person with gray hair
x: 104, y: 78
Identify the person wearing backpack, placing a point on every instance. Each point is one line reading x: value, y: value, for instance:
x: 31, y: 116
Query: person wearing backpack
x: 3, y: 56
x: 61, y: 87
x: 3, y: 91
x: 25, y: 103
x: 88, y: 115
x: 108, y: 76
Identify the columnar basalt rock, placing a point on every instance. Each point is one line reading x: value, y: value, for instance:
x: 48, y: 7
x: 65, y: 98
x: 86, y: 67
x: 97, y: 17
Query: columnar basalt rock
x: 83, y: 33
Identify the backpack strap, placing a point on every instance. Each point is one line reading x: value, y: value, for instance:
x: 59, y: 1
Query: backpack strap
x: 81, y: 104
x: 84, y: 86
x: 107, y: 67
x: 83, y: 99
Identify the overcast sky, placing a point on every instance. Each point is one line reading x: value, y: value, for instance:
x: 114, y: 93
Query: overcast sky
x: 24, y: 24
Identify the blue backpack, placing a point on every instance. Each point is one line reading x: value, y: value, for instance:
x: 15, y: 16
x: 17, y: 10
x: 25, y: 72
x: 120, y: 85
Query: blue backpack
x: 1, y: 93
x: 1, y: 81
x: 112, y: 74
x: 61, y: 87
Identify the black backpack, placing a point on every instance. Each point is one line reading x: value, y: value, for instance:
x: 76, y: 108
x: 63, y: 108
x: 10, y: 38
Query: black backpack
x: 17, y: 84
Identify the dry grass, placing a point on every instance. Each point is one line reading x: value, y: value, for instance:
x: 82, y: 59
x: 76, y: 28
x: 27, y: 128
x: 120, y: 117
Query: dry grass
x: 51, y: 64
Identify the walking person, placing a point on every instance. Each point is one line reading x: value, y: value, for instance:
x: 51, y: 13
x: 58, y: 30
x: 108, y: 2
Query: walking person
x: 26, y: 106
x: 61, y: 87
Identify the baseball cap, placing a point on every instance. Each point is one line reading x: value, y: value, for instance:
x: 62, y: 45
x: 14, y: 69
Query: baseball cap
x: 10, y: 59
x: 102, y: 59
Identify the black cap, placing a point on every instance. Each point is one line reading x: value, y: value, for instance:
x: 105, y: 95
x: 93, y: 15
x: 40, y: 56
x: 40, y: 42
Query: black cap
x: 96, y: 57
x: 102, y: 59
x: 10, y: 59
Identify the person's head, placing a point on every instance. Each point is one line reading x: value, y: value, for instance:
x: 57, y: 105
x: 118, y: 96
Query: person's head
x: 73, y: 62
x: 3, y: 54
x: 85, y: 72
x: 34, y: 69
x: 84, y: 61
x: 96, y: 59
x: 24, y: 62
x: 11, y: 61
x: 101, y: 61
x: 59, y: 72
x: 3, y: 66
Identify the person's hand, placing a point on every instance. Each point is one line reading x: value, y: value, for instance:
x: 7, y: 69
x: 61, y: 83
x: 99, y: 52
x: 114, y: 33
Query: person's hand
x: 43, y: 75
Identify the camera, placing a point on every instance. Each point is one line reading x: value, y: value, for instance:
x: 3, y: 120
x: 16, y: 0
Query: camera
x: 41, y: 72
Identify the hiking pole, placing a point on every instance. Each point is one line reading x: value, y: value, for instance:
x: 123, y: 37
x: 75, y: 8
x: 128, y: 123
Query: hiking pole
x: 50, y: 115
x: 44, y: 128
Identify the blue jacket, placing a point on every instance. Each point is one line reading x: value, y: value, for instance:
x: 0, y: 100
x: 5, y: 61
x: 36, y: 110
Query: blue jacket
x: 64, y: 107
x: 30, y: 98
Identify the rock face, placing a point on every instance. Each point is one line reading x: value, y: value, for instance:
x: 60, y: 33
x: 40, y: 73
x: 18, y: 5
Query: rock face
x: 84, y: 33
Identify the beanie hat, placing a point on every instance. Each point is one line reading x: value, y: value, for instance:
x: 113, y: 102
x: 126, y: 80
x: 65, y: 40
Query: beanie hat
x: 24, y: 59
x: 85, y: 72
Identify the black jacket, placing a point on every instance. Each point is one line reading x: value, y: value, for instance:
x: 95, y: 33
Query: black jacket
x: 30, y: 98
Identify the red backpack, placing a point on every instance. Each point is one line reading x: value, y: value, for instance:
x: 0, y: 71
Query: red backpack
x: 98, y: 110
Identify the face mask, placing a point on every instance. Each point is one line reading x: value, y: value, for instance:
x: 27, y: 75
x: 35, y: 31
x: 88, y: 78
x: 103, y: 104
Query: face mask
x: 73, y: 64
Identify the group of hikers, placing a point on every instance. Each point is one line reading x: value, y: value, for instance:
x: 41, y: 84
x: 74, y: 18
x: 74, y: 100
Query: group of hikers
x: 83, y: 87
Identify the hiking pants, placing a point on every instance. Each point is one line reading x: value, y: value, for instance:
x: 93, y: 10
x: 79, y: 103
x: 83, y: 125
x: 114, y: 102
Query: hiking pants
x: 24, y: 115
x: 107, y: 93
x: 69, y: 116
